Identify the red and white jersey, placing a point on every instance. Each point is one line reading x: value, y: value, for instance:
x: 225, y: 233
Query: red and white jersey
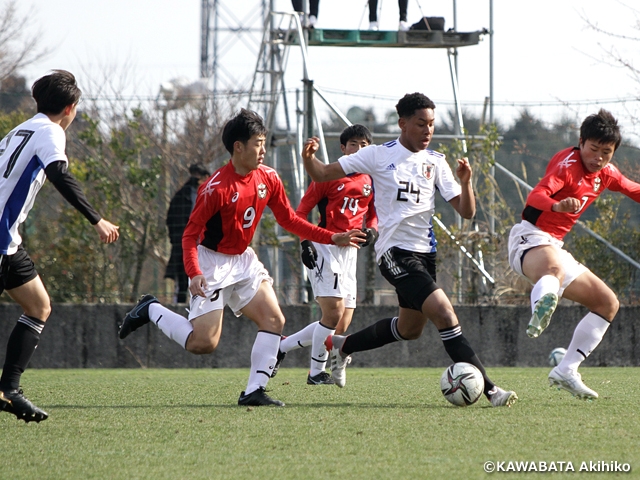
x: 566, y: 177
x: 405, y: 186
x: 24, y: 154
x: 344, y: 204
x: 227, y: 211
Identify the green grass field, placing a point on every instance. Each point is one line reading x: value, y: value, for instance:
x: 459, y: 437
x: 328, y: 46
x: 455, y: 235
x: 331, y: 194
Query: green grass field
x: 385, y: 424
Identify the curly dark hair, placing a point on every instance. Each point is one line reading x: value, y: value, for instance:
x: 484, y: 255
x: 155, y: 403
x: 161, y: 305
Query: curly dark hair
x: 411, y: 102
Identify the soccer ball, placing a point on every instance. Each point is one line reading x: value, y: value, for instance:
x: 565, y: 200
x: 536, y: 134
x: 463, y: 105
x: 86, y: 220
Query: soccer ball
x: 462, y: 384
x: 556, y: 356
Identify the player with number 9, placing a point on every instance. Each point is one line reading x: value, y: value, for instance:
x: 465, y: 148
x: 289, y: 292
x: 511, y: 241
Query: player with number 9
x: 223, y: 268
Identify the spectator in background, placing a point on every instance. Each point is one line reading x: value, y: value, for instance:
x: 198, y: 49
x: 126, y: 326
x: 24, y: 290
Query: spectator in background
x: 313, y: 11
x: 403, y: 26
x: 177, y: 217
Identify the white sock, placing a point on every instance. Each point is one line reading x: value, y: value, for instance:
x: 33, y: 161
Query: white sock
x: 173, y: 325
x: 546, y: 284
x: 300, y: 339
x: 586, y: 337
x: 318, y: 350
x: 263, y: 359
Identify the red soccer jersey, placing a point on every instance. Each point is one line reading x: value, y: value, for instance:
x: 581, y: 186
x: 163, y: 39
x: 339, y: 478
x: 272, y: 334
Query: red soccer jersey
x: 227, y: 211
x: 343, y: 203
x: 566, y: 177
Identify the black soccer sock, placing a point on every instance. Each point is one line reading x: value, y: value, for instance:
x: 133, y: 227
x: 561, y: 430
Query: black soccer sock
x: 374, y: 336
x: 459, y: 349
x: 22, y: 343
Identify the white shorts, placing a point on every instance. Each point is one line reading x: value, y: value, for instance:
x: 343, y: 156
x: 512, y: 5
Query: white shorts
x: 335, y: 275
x: 231, y: 280
x: 524, y: 236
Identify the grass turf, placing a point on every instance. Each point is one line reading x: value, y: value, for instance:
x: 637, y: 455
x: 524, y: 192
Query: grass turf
x: 385, y: 424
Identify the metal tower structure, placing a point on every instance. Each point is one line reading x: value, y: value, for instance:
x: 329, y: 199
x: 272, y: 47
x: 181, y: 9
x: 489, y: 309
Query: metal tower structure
x: 227, y: 35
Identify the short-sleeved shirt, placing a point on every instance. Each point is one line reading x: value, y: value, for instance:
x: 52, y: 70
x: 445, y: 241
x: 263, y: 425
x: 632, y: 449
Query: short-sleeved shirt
x: 405, y: 184
x: 24, y: 154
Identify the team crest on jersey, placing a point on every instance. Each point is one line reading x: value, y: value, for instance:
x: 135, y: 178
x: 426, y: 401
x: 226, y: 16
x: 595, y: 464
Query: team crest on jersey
x: 366, y: 190
x: 596, y: 184
x: 427, y: 170
x: 262, y: 190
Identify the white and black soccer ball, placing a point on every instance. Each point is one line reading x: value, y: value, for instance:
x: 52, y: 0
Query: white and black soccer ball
x: 462, y: 384
x: 556, y: 356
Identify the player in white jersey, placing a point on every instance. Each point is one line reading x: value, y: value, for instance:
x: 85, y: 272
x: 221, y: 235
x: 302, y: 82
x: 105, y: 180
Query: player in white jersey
x: 406, y: 176
x: 29, y: 154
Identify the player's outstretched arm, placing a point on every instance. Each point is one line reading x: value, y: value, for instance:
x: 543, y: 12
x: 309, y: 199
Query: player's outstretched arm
x: 352, y: 238
x: 318, y: 171
x: 108, y: 232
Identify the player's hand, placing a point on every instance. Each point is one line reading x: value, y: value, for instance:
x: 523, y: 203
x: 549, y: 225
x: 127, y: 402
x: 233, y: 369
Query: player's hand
x: 372, y: 236
x: 568, y: 205
x: 197, y: 286
x: 310, y: 147
x: 463, y: 171
x: 352, y: 238
x: 309, y: 254
x: 108, y: 231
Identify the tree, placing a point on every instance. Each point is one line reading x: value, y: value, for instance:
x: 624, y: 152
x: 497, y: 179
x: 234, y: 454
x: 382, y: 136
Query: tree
x: 18, y: 46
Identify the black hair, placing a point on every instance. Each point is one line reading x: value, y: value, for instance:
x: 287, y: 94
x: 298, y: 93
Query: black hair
x: 198, y: 170
x: 601, y: 127
x: 241, y: 128
x: 411, y: 102
x: 355, y: 131
x: 55, y: 91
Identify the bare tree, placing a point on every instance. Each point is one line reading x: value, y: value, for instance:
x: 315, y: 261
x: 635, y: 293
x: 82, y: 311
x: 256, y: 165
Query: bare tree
x: 17, y: 47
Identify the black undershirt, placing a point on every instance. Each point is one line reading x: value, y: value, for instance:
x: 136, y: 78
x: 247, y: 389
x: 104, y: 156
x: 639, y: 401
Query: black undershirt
x: 69, y: 188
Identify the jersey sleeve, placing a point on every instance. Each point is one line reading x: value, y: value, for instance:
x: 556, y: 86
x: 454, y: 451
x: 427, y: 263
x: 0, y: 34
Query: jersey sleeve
x: 311, y: 197
x: 205, y: 207
x: 287, y: 218
x: 363, y: 161
x: 541, y: 197
x: 622, y: 184
x: 52, y: 144
x: 447, y: 185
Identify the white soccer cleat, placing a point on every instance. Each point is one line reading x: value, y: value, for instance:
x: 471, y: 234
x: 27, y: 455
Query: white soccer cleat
x: 542, y: 314
x: 503, y: 398
x: 572, y: 383
x: 338, y: 362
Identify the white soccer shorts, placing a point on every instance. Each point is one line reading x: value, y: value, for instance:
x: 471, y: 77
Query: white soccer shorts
x: 335, y: 273
x: 231, y: 280
x: 525, y: 235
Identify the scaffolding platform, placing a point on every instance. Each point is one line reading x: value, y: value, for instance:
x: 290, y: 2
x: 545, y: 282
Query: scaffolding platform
x: 390, y: 39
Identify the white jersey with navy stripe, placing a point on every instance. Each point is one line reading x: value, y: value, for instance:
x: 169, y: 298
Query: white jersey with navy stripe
x: 405, y: 184
x: 24, y: 154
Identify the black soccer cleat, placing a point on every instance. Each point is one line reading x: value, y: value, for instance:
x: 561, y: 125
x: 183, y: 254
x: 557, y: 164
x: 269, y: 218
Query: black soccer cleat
x: 258, y: 398
x: 279, y: 359
x: 323, y: 378
x: 137, y: 317
x: 13, y: 401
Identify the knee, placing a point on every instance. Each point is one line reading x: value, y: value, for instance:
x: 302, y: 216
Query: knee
x: 331, y: 318
x: 41, y: 312
x: 201, y: 346
x: 612, y: 306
